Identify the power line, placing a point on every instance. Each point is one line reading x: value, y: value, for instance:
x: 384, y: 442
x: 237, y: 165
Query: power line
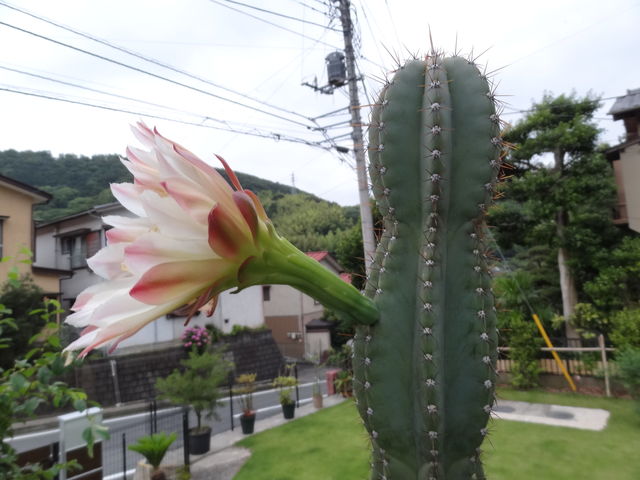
x: 148, y: 59
x: 124, y: 97
x: 95, y: 90
x: 154, y: 75
x: 272, y: 24
x: 282, y: 15
x: 255, y: 133
x: 311, y: 8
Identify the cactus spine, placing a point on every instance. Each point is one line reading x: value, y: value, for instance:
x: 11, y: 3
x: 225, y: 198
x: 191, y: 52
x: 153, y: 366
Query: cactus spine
x: 424, y: 375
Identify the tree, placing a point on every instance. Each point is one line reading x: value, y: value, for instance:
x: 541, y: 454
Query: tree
x: 197, y: 384
x: 566, y: 202
x: 34, y: 380
x: 22, y: 298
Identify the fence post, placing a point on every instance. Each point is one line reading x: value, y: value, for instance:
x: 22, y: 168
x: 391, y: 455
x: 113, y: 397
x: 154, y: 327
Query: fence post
x: 185, y: 437
x: 54, y: 455
x: 231, y: 403
x: 155, y: 416
x: 295, y: 372
x: 124, y: 456
x: 605, y: 365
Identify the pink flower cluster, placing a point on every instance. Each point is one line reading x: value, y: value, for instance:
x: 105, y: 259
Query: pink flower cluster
x: 196, y: 337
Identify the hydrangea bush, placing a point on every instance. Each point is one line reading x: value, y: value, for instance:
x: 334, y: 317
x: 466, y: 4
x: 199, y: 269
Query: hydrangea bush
x: 196, y: 338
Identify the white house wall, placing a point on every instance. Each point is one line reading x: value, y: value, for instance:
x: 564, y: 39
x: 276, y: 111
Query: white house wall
x: 631, y: 175
x: 285, y: 300
x: 243, y: 308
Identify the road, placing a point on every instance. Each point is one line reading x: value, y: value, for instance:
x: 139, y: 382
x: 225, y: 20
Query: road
x: 266, y: 403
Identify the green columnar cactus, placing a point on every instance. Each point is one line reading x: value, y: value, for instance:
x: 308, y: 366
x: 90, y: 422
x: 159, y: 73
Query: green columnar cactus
x: 424, y: 374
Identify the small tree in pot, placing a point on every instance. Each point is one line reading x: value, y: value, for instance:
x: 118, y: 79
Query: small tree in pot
x: 245, y: 388
x: 197, y: 385
x: 286, y: 384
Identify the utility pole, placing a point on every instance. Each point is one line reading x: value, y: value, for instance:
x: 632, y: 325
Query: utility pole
x: 366, y: 217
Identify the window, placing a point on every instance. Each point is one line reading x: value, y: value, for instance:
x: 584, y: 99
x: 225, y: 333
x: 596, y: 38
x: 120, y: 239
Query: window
x: 79, y: 252
x: 66, y: 245
x: 266, y: 293
x: 79, y: 245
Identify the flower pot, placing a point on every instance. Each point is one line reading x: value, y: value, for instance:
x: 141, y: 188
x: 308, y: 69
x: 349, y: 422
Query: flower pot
x: 289, y: 410
x: 144, y: 471
x: 199, y: 441
x: 247, y: 423
x: 317, y: 400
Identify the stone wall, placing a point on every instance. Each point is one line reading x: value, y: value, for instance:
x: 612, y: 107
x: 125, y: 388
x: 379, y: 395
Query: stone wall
x: 255, y: 352
x: 136, y: 374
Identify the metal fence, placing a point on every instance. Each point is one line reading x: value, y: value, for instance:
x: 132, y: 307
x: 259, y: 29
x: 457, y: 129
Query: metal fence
x: 120, y: 463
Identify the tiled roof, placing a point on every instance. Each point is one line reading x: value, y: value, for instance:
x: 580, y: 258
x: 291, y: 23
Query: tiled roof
x: 317, y: 255
x: 628, y: 102
x: 346, y: 277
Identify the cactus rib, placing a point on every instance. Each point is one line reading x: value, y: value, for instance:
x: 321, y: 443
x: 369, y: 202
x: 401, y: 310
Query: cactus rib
x: 424, y: 375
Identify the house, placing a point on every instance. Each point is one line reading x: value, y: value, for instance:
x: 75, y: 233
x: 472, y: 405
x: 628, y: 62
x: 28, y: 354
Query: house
x: 625, y: 160
x: 67, y: 243
x: 294, y: 318
x: 17, y: 239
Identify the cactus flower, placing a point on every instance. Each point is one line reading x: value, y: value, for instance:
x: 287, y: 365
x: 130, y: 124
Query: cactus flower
x: 194, y: 235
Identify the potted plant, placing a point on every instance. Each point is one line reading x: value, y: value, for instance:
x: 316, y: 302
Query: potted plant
x: 316, y: 390
x: 197, y: 385
x: 153, y: 448
x: 344, y: 383
x: 316, y: 394
x: 285, y: 385
x: 246, y: 386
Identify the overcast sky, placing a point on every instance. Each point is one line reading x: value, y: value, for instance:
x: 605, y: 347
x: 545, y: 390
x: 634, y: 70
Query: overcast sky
x: 245, y: 75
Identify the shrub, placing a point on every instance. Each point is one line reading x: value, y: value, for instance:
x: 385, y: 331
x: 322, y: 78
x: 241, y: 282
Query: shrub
x: 628, y: 370
x: 153, y: 447
x: 196, y: 338
x: 625, y: 331
x: 588, y: 321
x: 525, y: 344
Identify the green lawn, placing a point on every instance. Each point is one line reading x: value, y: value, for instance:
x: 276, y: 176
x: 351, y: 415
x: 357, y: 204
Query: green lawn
x: 331, y: 444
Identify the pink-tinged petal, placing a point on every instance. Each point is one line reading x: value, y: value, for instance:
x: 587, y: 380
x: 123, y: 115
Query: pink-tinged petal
x: 88, y: 297
x: 145, y: 173
x: 154, y: 249
x: 258, y: 206
x: 248, y: 211
x: 143, y: 133
x: 88, y: 329
x: 193, y: 201
x: 204, y: 167
x: 117, y: 235
x: 230, y: 173
x: 168, y: 218
x: 181, y: 281
x: 126, y: 229
x: 108, y: 262
x: 226, y: 237
x: 129, y: 196
x: 120, y: 221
